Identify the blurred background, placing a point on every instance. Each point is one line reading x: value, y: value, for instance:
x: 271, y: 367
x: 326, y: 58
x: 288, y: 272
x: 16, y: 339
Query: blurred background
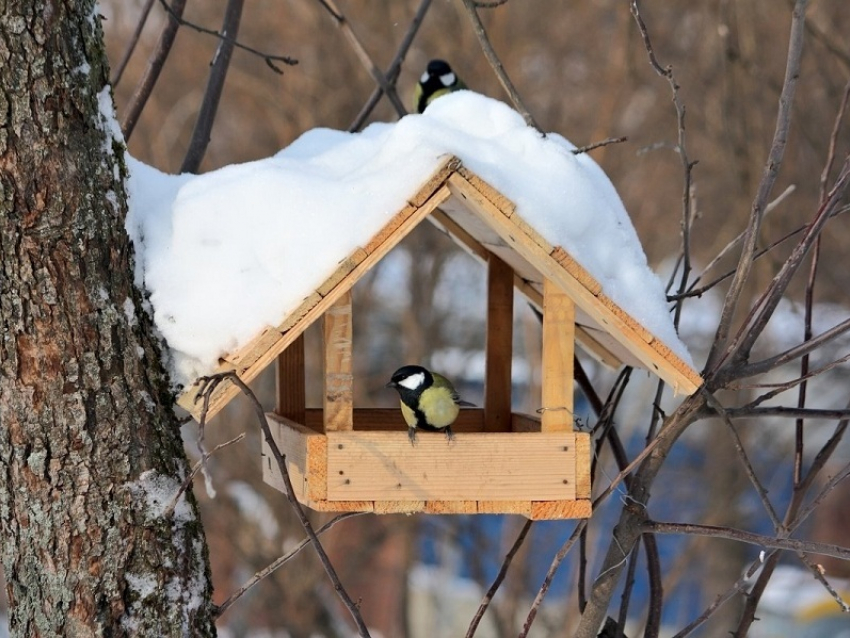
x: 583, y: 72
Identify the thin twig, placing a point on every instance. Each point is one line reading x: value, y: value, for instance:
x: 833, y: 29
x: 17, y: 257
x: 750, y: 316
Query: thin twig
x: 789, y: 412
x: 765, y: 306
x: 496, y: 64
x: 550, y: 575
x: 279, y: 562
x: 626, y: 596
x: 779, y: 388
x: 195, y: 469
x: 395, y: 67
x: 376, y: 73
x: 732, y: 244
x: 743, y: 536
x: 775, y: 157
x: 681, y: 149
x: 145, y: 86
x: 745, y: 460
x: 738, y: 587
x: 497, y: 582
x: 771, y: 363
x: 699, y: 292
x: 215, y: 85
x: 118, y: 71
x: 605, y: 142
x: 818, y: 573
x: 268, y: 58
x: 209, y: 384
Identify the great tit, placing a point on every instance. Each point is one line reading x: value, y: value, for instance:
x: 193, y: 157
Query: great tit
x: 428, y: 400
x: 437, y: 80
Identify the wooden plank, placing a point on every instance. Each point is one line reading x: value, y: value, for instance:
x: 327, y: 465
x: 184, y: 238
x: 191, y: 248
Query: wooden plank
x: 343, y: 269
x: 599, y: 307
x: 595, y: 348
x: 451, y: 507
x: 313, y: 307
x: 576, y: 270
x: 305, y: 452
x: 290, y: 382
x: 487, y: 466
x: 552, y: 510
x: 493, y: 195
x: 525, y: 422
x: 338, y: 395
x: 520, y: 508
x: 449, y: 165
x: 398, y: 507
x: 583, y: 458
x: 558, y: 350
x: 499, y: 346
x: 341, y: 506
x: 390, y: 419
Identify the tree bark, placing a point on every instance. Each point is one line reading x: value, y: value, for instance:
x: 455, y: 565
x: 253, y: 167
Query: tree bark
x: 90, y: 450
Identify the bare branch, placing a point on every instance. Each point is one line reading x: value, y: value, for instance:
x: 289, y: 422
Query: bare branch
x: 168, y: 511
x: 157, y: 60
x: 267, y: 57
x: 784, y: 387
x: 209, y: 385
x: 742, y: 536
x: 738, y: 587
x: 731, y: 245
x: 605, y: 142
x: 745, y: 461
x: 774, y: 162
x: 496, y: 64
x: 550, y: 575
x: 681, y: 149
x: 215, y: 85
x: 363, y: 56
x: 765, y: 365
x: 118, y: 71
x: 497, y: 582
x: 763, y: 310
x: 807, y: 413
x: 395, y: 66
x: 818, y: 573
x: 279, y: 562
x: 699, y: 292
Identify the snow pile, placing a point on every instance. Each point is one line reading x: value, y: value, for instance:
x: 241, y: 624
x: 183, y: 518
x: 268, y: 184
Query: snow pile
x: 225, y: 254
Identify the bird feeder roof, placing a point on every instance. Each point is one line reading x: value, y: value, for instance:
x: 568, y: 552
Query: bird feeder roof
x: 493, y: 184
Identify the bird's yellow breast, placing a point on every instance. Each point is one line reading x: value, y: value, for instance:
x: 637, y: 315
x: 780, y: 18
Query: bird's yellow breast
x: 439, y: 406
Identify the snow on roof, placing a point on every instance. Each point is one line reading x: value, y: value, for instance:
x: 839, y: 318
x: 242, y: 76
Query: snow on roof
x: 228, y: 253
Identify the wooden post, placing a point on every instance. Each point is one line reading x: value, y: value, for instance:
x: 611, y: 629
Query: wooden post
x: 338, y: 396
x: 558, y: 348
x: 291, y: 393
x: 499, y: 348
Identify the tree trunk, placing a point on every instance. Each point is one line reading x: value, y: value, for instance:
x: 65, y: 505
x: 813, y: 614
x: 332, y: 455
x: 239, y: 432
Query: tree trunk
x: 90, y: 451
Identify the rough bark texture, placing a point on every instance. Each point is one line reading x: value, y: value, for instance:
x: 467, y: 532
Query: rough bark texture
x: 89, y: 447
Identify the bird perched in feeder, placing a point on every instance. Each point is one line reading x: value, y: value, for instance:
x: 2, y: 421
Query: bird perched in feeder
x: 437, y: 80
x: 428, y: 400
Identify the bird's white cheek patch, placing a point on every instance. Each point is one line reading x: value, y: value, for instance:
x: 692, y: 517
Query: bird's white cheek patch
x: 424, y: 77
x: 448, y: 79
x: 413, y: 381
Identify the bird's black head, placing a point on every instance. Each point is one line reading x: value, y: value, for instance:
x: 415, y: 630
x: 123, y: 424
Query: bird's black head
x: 411, y: 380
x: 438, y: 77
x: 437, y: 68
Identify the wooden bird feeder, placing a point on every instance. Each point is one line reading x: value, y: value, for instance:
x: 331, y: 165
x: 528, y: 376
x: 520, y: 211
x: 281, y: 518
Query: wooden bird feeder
x: 342, y: 458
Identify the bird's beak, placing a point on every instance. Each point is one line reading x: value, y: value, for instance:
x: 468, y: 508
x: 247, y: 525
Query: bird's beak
x: 391, y: 384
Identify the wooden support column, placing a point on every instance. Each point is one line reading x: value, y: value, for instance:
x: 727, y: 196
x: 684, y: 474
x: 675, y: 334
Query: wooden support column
x: 499, y: 347
x: 338, y: 396
x: 291, y: 393
x: 559, y: 324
